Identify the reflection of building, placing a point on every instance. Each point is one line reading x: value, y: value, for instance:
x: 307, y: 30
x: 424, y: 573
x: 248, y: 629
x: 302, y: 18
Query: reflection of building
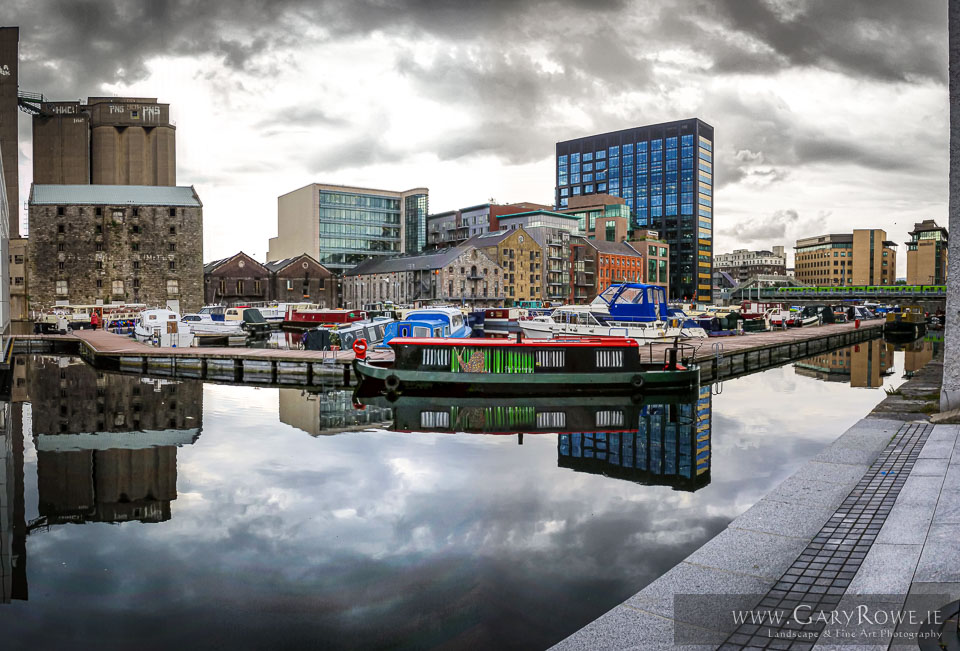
x: 327, y: 413
x: 670, y: 447
x: 107, y: 444
x: 917, y: 354
x: 13, y: 556
x: 863, y: 365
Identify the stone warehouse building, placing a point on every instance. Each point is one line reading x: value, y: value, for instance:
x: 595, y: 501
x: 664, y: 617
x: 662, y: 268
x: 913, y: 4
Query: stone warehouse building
x: 460, y: 274
x: 240, y: 279
x: 115, y: 243
x: 521, y: 259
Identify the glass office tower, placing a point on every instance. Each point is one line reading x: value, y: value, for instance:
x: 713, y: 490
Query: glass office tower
x: 415, y: 209
x: 665, y: 174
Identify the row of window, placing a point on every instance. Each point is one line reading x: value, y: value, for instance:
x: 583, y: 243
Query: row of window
x: 116, y: 213
x: 358, y: 216
x: 359, y: 201
x: 119, y: 287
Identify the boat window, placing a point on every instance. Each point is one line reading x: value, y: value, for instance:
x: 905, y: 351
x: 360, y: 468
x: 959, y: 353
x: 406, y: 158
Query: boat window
x: 420, y: 331
x: 152, y: 317
x: 631, y: 295
x: 608, y: 293
x: 438, y: 332
x: 650, y: 295
x: 404, y: 331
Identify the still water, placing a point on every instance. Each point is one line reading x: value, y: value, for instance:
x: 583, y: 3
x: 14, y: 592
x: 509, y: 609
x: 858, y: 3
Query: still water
x: 153, y: 513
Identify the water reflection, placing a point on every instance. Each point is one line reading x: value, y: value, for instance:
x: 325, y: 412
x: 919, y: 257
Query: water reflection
x: 869, y: 364
x: 656, y: 440
x: 105, y: 445
x: 320, y: 413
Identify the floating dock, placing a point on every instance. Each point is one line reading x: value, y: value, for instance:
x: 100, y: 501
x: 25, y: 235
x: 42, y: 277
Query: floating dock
x: 720, y: 358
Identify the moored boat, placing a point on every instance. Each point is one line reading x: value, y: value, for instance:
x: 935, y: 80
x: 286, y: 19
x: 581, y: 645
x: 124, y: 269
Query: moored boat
x: 162, y: 327
x: 429, y: 322
x: 589, y: 365
x: 907, y: 321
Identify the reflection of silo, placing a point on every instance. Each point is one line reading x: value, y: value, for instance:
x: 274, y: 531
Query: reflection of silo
x: 106, y: 149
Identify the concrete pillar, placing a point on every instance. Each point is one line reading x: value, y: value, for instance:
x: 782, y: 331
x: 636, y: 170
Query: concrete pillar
x: 950, y: 394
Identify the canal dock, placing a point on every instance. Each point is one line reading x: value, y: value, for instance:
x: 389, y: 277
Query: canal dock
x: 720, y: 358
x: 868, y: 527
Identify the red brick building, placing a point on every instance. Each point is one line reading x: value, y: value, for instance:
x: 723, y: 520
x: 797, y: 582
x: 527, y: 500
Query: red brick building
x: 597, y: 264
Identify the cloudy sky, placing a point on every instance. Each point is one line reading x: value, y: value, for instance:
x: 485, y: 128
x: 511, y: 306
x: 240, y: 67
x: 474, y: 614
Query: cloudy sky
x: 829, y: 114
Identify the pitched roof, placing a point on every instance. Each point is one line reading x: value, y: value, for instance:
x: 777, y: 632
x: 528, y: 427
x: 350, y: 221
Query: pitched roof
x: 114, y: 195
x: 425, y: 261
x: 210, y: 267
x: 277, y: 265
x: 492, y: 238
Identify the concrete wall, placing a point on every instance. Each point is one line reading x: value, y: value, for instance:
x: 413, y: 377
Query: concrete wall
x: 298, y: 225
x: 9, y: 79
x: 61, y: 145
x: 111, y: 239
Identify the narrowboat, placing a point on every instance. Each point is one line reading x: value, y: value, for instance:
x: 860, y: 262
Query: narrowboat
x: 501, y: 321
x: 511, y: 367
x: 907, y: 321
x: 633, y: 310
x: 429, y: 322
x: 324, y: 338
x: 77, y: 317
x: 309, y: 316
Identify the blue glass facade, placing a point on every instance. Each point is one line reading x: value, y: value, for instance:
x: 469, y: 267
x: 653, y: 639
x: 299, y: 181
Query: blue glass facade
x: 665, y: 174
x: 415, y: 209
x: 355, y: 226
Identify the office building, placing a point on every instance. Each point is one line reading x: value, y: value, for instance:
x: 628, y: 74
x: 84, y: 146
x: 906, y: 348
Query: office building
x: 742, y: 264
x: 9, y: 149
x: 927, y: 254
x: 864, y: 257
x: 460, y: 274
x: 601, y: 217
x: 455, y: 227
x: 341, y: 226
x: 664, y: 172
x: 115, y: 243
x: 105, y: 141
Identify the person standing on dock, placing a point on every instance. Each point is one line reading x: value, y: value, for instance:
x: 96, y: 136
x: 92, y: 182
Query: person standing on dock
x: 94, y: 320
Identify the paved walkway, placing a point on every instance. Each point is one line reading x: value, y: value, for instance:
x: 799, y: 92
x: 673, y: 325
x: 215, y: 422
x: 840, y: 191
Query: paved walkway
x: 872, y: 521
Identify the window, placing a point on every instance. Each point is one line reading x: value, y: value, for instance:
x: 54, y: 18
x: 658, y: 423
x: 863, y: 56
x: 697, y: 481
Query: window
x: 99, y: 229
x: 135, y: 246
x: 136, y: 212
x: 61, y: 228
x: 99, y: 212
x: 173, y: 287
x: 60, y: 267
x: 240, y: 287
x: 61, y: 246
x: 136, y: 284
x: 99, y: 246
x: 172, y: 265
x: 99, y: 284
x: 99, y: 264
x: 173, y: 230
x: 136, y: 265
x: 256, y: 283
x: 62, y: 287
x: 173, y: 212
x: 59, y: 210
x: 289, y: 285
x: 223, y: 287
x: 135, y: 229
x: 171, y: 247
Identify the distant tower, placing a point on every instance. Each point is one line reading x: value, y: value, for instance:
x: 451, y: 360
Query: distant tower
x: 9, y: 69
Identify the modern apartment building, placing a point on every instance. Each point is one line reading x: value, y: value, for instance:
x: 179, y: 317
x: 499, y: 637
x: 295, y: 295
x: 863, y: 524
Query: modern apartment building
x: 864, y: 257
x: 665, y: 174
x: 927, y: 254
x: 342, y: 226
x: 455, y: 227
x: 552, y: 231
x: 742, y: 264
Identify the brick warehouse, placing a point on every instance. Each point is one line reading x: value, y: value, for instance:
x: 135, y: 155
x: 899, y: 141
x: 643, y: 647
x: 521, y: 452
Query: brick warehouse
x: 115, y: 243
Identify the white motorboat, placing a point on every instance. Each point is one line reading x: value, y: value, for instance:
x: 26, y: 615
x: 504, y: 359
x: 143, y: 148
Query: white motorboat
x: 631, y: 310
x: 162, y: 327
x: 203, y: 324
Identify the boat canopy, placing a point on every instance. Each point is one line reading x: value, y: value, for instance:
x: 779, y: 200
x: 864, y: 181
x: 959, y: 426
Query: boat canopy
x: 634, y: 301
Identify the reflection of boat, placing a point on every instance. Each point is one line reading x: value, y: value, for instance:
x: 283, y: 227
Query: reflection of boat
x: 631, y: 310
x: 612, y: 365
x: 662, y: 440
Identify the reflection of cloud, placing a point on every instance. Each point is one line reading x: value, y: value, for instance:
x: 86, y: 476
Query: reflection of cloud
x: 282, y: 537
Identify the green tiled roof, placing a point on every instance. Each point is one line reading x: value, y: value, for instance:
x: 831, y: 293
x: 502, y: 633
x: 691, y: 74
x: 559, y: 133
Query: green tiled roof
x: 113, y: 195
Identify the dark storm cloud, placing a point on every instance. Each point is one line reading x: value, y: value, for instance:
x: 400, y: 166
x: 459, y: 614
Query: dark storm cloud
x: 772, y: 227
